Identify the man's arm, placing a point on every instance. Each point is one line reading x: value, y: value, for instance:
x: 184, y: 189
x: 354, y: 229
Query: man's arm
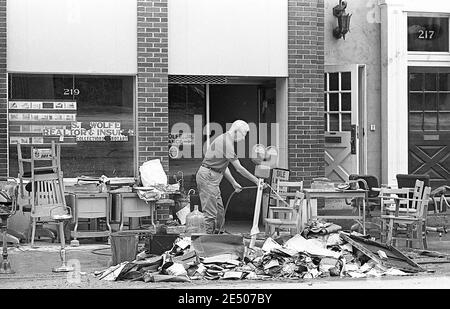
x: 243, y: 171
x: 237, y: 187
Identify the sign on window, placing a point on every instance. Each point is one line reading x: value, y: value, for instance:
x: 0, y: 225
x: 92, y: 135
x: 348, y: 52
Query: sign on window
x: 428, y: 34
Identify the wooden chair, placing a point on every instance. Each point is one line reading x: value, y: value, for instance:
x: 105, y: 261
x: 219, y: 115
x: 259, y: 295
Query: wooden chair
x: 438, y: 204
x: 407, y: 213
x: 293, y: 222
x: 40, y: 167
x: 285, y: 195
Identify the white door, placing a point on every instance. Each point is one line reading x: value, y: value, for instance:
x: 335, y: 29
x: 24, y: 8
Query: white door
x: 341, y: 122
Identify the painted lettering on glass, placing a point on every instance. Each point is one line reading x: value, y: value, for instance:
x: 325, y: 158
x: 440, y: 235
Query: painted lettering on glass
x: 71, y: 91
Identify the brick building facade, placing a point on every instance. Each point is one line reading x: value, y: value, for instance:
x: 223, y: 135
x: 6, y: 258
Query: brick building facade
x: 306, y: 69
x: 156, y: 53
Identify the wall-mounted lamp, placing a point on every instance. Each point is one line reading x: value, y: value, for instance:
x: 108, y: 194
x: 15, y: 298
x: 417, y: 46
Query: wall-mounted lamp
x: 343, y: 20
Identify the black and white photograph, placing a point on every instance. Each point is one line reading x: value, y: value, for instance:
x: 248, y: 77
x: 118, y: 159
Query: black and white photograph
x: 225, y: 151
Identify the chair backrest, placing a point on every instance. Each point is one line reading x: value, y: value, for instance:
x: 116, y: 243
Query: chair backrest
x: 407, y: 201
x: 287, y: 190
x: 39, y: 159
x: 409, y: 180
x: 389, y: 197
x: 367, y: 182
x: 416, y: 194
x: 48, y: 195
x: 422, y: 208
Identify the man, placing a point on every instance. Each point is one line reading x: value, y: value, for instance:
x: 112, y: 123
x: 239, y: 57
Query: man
x: 214, y: 166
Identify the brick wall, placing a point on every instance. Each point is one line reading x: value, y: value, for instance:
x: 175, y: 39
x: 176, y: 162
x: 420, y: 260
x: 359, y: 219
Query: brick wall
x: 3, y: 93
x: 152, y: 92
x: 306, y: 88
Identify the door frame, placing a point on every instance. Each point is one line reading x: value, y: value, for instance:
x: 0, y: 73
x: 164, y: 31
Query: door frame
x: 359, y: 108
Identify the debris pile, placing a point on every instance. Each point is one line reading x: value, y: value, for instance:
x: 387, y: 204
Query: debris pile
x: 224, y: 257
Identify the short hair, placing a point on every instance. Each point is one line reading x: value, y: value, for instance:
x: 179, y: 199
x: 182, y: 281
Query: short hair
x: 240, y: 125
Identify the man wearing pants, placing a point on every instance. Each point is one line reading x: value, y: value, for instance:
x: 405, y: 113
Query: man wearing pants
x: 214, y: 166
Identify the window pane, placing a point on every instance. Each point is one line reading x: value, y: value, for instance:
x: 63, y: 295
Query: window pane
x: 346, y: 102
x: 334, y: 81
x: 444, y: 82
x: 326, y: 122
x: 430, y: 121
x: 325, y: 105
x: 428, y: 34
x: 334, y: 102
x: 325, y: 82
x: 415, y: 121
x: 444, y: 121
x: 431, y: 82
x: 346, y: 81
x: 430, y: 102
x: 91, y: 116
x: 415, y: 81
x: 346, y: 122
x: 444, y: 101
x: 40, y: 87
x: 187, y: 108
x: 334, y: 122
x: 416, y: 101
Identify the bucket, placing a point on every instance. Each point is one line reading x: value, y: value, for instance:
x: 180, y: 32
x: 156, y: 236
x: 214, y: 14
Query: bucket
x: 124, y: 247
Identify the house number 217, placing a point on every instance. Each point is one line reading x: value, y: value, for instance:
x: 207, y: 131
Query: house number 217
x: 426, y: 34
x: 71, y: 91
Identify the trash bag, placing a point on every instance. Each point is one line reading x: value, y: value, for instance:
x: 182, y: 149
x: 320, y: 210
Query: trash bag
x: 152, y: 173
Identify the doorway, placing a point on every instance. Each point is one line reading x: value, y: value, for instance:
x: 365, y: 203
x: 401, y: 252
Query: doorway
x: 254, y: 104
x: 213, y: 107
x: 429, y: 123
x: 344, y: 112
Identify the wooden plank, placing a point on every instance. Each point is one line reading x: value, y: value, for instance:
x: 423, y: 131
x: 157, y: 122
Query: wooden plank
x: 396, y: 259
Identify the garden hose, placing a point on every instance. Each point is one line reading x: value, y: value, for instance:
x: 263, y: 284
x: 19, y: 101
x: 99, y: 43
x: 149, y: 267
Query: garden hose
x: 245, y: 188
x: 95, y: 251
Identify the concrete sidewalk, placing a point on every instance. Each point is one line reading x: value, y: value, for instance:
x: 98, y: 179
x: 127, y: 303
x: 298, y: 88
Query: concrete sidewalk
x: 33, y: 268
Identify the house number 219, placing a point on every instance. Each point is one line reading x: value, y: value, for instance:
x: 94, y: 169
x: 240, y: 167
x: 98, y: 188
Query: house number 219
x: 426, y: 34
x: 71, y: 91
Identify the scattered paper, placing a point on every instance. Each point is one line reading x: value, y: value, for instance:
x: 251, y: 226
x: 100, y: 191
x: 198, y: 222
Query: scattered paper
x: 182, y: 214
x: 270, y: 244
x: 271, y: 264
x: 395, y: 272
x: 355, y: 274
x: 311, y: 246
x: 382, y: 254
x: 232, y: 275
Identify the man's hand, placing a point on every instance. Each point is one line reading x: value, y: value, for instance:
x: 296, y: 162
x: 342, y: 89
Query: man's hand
x: 237, y: 188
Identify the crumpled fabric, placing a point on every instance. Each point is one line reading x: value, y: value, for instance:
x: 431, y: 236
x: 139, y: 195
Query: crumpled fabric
x: 320, y: 227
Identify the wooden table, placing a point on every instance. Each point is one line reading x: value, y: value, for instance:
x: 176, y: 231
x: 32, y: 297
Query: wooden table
x: 337, y: 194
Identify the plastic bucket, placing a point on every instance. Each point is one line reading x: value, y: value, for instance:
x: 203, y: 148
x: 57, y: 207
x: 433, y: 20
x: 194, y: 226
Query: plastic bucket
x: 124, y: 247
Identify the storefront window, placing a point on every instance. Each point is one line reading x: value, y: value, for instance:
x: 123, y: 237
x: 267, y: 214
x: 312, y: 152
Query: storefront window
x: 187, y: 116
x: 91, y: 116
x: 428, y: 34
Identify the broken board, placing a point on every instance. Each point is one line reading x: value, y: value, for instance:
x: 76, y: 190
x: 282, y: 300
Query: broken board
x: 395, y: 258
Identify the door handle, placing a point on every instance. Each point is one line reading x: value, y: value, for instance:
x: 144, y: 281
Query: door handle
x: 353, y: 140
